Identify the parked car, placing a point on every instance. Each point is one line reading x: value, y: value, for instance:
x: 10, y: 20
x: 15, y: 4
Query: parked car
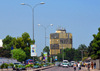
x: 22, y: 67
x: 57, y: 63
x: 19, y: 66
x: 72, y: 63
x: 16, y: 65
x: 65, y: 65
x: 36, y: 66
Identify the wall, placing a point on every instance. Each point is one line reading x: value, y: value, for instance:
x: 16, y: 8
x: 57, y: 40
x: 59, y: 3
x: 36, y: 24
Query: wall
x: 7, y: 60
x: 98, y: 64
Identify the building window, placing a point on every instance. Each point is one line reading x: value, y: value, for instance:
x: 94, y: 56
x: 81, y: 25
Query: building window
x: 54, y: 36
x: 54, y: 46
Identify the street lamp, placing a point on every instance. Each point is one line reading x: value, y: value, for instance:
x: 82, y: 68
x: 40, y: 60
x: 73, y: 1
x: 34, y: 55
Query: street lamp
x: 33, y: 13
x: 32, y: 7
x: 45, y: 30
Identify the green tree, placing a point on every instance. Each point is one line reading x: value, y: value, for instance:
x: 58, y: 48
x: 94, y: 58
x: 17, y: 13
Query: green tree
x: 7, y: 42
x: 22, y: 42
x: 94, y: 49
x: 27, y: 51
x: 84, y: 48
x: 18, y: 54
x: 27, y: 40
x: 5, y: 53
x: 69, y: 54
x: 46, y: 49
x: 77, y: 55
x: 90, y: 49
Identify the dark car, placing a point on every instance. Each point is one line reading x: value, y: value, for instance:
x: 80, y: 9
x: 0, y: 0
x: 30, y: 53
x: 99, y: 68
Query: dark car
x: 19, y: 66
x: 70, y: 64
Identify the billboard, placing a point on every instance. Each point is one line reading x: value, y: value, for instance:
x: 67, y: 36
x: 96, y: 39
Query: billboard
x: 45, y: 56
x: 33, y: 50
x: 55, y: 58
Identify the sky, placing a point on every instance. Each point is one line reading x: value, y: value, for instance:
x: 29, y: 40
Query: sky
x: 79, y: 17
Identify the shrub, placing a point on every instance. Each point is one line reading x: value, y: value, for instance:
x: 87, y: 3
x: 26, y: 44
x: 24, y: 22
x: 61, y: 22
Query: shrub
x: 11, y: 64
x: 29, y: 65
x: 4, y: 65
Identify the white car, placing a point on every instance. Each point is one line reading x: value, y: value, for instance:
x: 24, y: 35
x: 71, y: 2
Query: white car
x: 65, y: 65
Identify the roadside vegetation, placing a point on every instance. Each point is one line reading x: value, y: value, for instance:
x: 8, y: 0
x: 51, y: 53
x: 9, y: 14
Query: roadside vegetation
x: 22, y: 44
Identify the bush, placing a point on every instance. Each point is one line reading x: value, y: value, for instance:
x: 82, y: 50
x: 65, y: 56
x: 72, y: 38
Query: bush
x: 16, y: 66
x: 41, y: 65
x: 4, y: 65
x: 29, y: 65
x: 11, y: 64
x: 20, y: 66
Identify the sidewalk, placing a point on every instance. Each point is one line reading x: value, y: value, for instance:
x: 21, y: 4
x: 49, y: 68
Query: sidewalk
x: 85, y: 69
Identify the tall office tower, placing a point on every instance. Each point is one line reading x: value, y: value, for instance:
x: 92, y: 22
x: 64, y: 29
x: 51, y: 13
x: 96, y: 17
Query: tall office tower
x: 60, y: 40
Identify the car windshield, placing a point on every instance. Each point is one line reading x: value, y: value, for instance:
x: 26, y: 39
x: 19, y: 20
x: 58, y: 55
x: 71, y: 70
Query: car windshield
x: 16, y: 63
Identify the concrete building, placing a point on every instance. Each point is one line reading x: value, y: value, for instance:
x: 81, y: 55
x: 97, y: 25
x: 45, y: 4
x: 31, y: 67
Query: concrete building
x: 60, y: 40
x: 1, y: 43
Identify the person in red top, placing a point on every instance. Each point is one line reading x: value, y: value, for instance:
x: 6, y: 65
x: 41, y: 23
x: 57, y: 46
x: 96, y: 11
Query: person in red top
x: 92, y: 65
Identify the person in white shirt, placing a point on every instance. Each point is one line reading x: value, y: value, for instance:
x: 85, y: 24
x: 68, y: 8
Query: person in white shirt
x: 79, y: 66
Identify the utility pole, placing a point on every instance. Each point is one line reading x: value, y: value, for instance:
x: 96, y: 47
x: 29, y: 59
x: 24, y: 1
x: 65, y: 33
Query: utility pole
x: 82, y: 52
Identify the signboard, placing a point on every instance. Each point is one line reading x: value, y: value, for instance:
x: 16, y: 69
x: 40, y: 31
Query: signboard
x: 45, y: 56
x: 56, y: 58
x: 1, y: 43
x: 33, y: 50
x: 12, y: 48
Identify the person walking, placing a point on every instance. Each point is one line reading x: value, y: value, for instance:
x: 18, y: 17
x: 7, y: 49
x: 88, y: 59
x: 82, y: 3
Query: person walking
x: 92, y: 65
x: 79, y: 66
x: 88, y: 67
x: 74, y: 66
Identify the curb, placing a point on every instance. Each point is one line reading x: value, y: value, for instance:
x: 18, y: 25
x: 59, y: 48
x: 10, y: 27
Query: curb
x: 39, y: 69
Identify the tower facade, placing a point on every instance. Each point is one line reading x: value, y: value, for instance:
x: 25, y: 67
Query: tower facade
x: 60, y: 40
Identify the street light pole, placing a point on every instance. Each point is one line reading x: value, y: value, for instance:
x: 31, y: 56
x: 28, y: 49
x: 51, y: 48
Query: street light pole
x: 45, y: 28
x: 32, y: 17
x: 32, y: 14
x: 82, y: 52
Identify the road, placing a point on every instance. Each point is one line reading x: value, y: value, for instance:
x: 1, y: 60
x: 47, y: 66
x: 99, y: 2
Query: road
x: 60, y: 69
x: 52, y: 69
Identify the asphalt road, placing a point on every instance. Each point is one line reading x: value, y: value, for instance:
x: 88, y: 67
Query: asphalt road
x: 51, y: 69
x: 60, y: 69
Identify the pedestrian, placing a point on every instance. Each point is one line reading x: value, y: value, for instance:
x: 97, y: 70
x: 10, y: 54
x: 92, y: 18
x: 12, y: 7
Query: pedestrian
x: 92, y: 65
x: 74, y: 66
x: 88, y: 67
x: 79, y: 66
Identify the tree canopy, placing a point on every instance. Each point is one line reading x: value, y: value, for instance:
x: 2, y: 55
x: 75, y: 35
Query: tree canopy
x: 22, y: 42
x: 18, y: 54
x: 94, y: 48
